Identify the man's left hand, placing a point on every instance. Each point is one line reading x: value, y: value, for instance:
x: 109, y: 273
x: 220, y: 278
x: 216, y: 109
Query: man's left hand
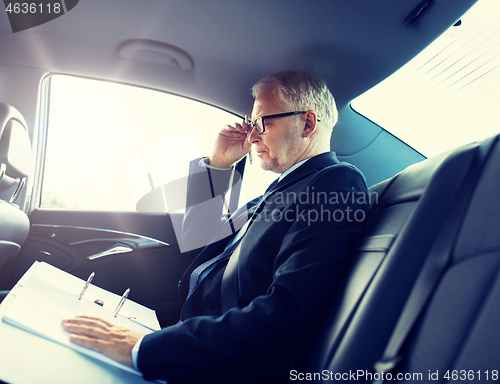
x: 102, y: 336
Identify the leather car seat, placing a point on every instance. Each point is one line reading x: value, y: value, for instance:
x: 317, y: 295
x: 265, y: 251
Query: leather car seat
x: 15, y: 166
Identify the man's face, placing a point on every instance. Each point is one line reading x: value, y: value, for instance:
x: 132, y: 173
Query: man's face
x: 281, y: 145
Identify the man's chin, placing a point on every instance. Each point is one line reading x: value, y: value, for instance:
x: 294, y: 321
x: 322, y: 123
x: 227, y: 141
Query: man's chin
x: 271, y: 165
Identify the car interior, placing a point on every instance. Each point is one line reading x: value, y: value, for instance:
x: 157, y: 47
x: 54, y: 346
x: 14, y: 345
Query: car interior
x: 420, y: 296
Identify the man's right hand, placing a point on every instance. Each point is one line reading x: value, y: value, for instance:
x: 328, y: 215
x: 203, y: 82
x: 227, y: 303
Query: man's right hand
x: 230, y: 146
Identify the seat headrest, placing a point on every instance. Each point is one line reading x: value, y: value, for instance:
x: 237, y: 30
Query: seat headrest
x: 15, y: 147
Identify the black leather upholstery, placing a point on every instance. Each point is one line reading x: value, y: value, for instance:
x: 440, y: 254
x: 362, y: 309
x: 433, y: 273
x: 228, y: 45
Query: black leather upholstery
x: 14, y: 227
x: 403, y: 225
x: 15, y: 166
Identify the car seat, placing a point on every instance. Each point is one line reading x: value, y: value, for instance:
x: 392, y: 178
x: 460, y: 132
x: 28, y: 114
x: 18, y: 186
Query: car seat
x: 15, y: 166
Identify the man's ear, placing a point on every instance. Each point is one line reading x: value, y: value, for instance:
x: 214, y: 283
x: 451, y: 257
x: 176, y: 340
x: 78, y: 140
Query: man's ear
x: 310, y: 120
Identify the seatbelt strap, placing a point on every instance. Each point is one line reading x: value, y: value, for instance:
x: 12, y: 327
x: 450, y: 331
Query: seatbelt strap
x: 237, y: 177
x: 434, y: 266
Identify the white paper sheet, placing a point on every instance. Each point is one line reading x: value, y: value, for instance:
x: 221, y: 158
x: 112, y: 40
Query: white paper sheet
x: 49, y: 295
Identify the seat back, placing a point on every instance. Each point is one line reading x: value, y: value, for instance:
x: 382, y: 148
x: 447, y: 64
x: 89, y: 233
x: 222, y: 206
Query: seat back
x: 462, y: 315
x: 402, y: 226
x: 458, y: 331
x: 15, y: 166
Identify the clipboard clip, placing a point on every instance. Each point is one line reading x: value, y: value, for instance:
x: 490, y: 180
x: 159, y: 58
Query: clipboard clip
x: 86, y: 285
x: 122, y: 301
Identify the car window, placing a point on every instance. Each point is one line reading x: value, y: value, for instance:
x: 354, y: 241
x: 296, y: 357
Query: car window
x: 447, y: 95
x: 112, y: 147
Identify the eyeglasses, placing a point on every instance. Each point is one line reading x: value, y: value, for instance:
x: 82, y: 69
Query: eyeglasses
x: 258, y: 122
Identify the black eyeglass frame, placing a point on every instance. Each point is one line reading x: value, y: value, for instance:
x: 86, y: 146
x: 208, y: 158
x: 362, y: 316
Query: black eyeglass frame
x: 253, y: 125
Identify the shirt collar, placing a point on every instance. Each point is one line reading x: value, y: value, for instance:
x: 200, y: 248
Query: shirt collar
x: 291, y: 169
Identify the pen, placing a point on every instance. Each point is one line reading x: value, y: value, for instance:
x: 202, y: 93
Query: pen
x: 86, y: 285
x: 249, y: 153
x: 142, y: 325
x: 122, y: 301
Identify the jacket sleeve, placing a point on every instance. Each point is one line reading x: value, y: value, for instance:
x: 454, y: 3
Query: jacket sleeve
x: 305, y: 272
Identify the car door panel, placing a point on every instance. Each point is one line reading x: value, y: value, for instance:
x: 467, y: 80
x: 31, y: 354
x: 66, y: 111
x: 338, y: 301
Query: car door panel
x: 125, y: 250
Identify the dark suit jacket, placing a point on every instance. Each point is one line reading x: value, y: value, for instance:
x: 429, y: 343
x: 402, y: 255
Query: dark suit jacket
x: 290, y: 259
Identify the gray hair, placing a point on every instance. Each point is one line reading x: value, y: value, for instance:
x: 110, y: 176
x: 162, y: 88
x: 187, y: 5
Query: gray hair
x: 300, y: 90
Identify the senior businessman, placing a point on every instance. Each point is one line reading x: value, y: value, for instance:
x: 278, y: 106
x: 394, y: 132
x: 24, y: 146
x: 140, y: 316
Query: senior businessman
x: 285, y: 250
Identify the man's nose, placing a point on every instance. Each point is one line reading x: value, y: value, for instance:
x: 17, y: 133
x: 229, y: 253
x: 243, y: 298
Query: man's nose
x: 254, y: 136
